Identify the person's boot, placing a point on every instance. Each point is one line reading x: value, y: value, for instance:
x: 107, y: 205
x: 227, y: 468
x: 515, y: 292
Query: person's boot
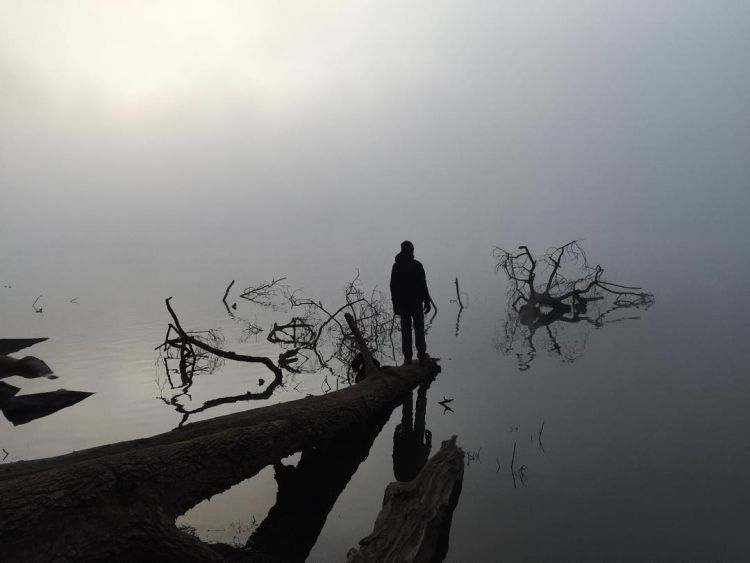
x: 423, y: 359
x: 407, y: 361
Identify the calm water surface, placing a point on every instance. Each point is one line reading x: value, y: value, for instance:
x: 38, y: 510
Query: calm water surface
x: 643, y: 452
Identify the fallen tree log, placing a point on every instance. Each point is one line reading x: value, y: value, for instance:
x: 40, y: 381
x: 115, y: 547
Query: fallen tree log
x: 414, y: 523
x: 119, y: 501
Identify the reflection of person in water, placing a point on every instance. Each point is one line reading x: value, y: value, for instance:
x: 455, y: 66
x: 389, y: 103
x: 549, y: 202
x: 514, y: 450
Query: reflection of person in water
x: 411, y: 442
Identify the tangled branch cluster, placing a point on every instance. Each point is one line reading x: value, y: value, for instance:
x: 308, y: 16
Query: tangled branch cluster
x: 315, y: 338
x: 553, y: 292
x: 322, y: 337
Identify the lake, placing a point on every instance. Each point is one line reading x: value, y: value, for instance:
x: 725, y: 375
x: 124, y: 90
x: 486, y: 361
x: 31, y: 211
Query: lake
x: 502, y: 126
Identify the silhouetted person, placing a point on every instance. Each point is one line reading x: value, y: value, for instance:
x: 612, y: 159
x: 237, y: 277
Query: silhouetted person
x: 411, y: 300
x: 411, y: 442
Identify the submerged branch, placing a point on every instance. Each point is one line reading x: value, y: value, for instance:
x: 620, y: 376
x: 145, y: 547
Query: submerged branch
x: 218, y: 352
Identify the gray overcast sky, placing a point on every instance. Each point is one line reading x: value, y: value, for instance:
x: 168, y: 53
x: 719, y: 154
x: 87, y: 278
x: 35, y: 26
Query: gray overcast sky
x: 478, y: 123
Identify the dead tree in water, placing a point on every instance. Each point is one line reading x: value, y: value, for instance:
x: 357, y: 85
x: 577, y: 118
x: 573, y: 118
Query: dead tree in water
x: 557, y: 289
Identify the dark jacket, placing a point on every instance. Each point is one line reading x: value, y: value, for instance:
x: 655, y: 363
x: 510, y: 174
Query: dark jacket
x: 408, y: 284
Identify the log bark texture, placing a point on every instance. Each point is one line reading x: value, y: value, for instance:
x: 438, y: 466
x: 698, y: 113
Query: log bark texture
x: 414, y: 523
x: 119, y: 501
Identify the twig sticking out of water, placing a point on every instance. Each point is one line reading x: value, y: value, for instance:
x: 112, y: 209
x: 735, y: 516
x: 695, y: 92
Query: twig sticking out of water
x: 539, y: 437
x: 522, y: 475
x: 33, y: 305
x: 458, y: 296
x: 6, y: 454
x: 473, y: 456
x: 74, y: 300
x: 224, y: 299
x: 498, y: 465
x: 460, y: 306
x: 444, y: 404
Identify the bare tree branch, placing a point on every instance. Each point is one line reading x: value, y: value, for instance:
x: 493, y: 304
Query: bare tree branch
x: 264, y: 293
x: 571, y: 286
x: 218, y: 352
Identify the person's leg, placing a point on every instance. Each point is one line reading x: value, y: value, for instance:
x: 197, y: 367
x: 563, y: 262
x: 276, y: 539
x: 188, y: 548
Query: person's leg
x: 419, y: 334
x: 406, y: 335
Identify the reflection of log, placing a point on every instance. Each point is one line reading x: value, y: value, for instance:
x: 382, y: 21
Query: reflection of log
x: 415, y: 520
x: 120, y: 501
x: 308, y: 492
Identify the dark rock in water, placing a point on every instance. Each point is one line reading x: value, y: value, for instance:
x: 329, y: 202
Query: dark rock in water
x: 25, y: 408
x: 10, y: 345
x: 7, y: 391
x: 28, y: 367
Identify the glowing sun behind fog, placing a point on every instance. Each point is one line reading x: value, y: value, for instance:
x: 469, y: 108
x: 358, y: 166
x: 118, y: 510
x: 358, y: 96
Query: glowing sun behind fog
x: 134, y: 55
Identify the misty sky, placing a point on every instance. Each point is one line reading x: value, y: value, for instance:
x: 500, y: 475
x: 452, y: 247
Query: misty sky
x: 458, y: 124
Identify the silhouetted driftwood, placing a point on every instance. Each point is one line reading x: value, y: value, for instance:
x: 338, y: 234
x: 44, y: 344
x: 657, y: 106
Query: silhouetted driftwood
x: 321, y: 331
x: 556, y: 289
x: 120, y: 501
x: 193, y: 341
x: 414, y: 523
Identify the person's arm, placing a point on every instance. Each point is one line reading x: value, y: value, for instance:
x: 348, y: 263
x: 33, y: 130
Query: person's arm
x: 394, y: 291
x: 426, y: 299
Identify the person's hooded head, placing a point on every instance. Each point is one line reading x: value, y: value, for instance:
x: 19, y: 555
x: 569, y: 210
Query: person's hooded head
x: 407, y: 248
